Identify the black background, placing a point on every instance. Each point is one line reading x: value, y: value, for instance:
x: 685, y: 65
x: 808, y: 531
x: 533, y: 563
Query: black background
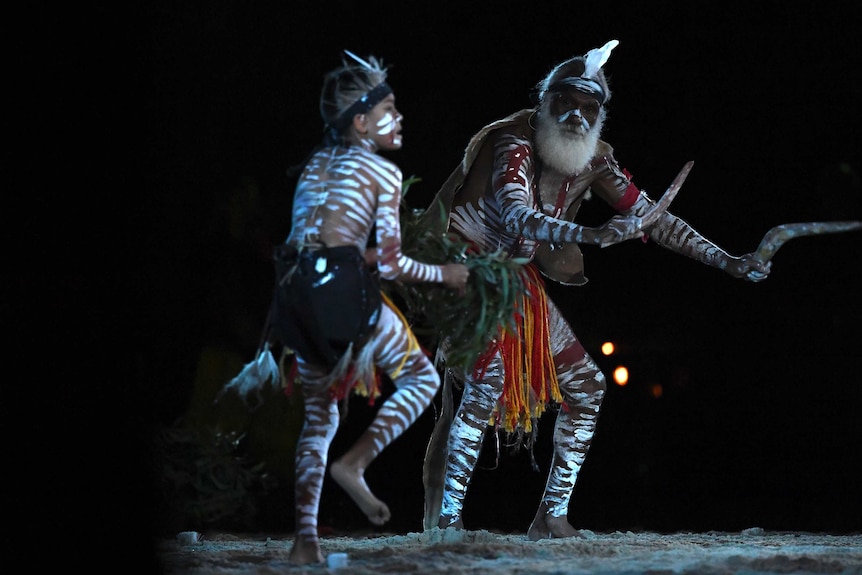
x: 197, y: 109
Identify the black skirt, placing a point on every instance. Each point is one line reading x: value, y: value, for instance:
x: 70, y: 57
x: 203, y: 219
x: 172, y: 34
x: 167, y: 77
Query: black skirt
x: 325, y: 299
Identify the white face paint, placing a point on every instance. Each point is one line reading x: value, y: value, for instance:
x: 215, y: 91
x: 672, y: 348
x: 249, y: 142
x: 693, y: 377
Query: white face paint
x: 386, y: 126
x: 576, y: 113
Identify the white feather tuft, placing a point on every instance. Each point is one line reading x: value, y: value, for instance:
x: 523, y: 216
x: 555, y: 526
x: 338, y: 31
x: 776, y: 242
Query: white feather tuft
x: 597, y: 57
x: 254, y: 376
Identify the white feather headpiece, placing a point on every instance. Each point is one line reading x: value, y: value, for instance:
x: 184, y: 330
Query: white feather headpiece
x: 596, y: 58
x: 583, y: 73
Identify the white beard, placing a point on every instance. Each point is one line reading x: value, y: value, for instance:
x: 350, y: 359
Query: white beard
x: 563, y: 150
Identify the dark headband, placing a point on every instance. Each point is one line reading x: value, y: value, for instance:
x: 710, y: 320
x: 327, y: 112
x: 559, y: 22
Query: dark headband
x: 361, y: 106
x: 585, y: 85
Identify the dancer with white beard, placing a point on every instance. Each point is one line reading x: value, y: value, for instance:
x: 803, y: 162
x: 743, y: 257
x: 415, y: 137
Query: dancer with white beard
x: 518, y: 190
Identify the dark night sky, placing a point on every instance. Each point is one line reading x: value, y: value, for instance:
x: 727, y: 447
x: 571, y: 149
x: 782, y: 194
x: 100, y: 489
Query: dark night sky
x: 758, y: 424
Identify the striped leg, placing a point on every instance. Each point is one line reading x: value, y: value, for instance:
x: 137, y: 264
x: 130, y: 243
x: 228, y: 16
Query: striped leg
x: 321, y: 423
x: 416, y: 382
x: 465, y: 440
x: 583, y: 387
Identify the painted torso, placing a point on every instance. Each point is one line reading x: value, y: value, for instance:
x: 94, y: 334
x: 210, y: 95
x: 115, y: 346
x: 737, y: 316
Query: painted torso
x: 343, y: 194
x: 523, y: 205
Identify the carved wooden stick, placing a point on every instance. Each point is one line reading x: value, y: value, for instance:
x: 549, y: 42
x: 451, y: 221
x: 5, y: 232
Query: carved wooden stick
x: 779, y: 235
x: 653, y: 214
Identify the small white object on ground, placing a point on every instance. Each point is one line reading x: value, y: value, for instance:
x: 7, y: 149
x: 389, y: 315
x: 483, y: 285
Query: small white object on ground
x: 336, y: 560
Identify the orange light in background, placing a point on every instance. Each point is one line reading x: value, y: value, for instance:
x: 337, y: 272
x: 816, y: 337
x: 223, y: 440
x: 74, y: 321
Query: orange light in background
x: 656, y: 390
x: 608, y: 347
x: 621, y: 375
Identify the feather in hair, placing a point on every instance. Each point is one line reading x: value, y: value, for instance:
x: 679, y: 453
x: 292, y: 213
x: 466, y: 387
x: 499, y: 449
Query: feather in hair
x: 373, y: 65
x: 597, y: 57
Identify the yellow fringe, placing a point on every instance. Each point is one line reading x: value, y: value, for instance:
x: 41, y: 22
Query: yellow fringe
x: 531, y: 379
x: 366, y: 383
x: 413, y: 343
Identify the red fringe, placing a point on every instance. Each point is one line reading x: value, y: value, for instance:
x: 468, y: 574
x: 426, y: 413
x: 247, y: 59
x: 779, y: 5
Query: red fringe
x: 531, y: 378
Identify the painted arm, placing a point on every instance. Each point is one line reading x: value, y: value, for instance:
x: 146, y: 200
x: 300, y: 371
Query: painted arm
x: 615, y: 186
x: 513, y: 172
x: 391, y: 261
x: 675, y: 234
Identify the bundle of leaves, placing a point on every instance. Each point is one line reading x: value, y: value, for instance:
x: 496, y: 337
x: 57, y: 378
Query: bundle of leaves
x: 470, y: 321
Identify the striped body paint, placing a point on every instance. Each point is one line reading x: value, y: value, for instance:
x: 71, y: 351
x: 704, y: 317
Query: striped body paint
x: 517, y: 212
x: 416, y: 381
x: 345, y: 192
x: 582, y: 386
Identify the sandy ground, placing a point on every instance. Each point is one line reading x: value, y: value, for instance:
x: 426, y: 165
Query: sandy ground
x: 751, y: 552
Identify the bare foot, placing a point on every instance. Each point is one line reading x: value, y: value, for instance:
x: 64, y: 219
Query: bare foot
x: 306, y: 550
x: 546, y: 526
x: 351, y: 480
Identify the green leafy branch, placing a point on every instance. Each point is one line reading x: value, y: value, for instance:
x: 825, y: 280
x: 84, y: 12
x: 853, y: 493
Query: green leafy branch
x: 470, y: 320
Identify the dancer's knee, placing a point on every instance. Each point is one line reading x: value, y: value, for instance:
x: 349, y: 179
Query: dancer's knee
x: 596, y: 385
x: 587, y: 391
